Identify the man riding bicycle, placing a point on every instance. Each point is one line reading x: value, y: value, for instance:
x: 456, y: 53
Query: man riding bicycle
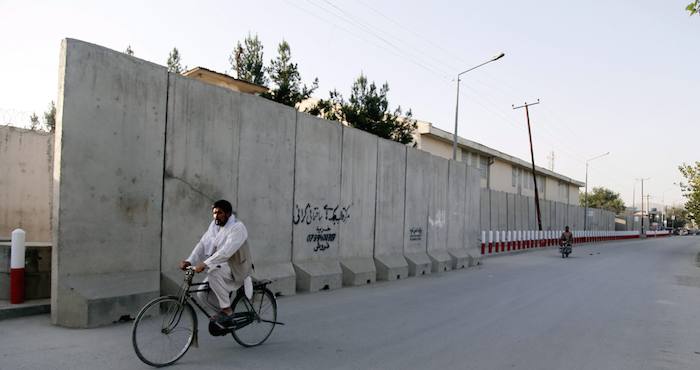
x: 223, y: 252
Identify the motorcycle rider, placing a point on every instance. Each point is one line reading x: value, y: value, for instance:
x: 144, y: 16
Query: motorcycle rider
x: 567, y: 237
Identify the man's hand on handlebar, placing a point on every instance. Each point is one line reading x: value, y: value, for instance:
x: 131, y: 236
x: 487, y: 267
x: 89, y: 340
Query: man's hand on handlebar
x: 198, y: 268
x: 184, y: 265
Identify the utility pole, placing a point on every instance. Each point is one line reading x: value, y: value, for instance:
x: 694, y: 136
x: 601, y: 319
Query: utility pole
x: 532, y: 154
x: 641, y: 235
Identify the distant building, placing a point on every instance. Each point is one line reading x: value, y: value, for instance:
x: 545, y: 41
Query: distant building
x: 224, y: 80
x: 499, y: 171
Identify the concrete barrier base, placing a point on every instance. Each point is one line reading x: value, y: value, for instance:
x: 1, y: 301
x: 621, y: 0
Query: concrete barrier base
x: 358, y: 271
x: 282, y: 275
x: 88, y: 301
x: 440, y: 261
x: 418, y: 264
x: 391, y: 267
x: 460, y: 258
x: 312, y: 276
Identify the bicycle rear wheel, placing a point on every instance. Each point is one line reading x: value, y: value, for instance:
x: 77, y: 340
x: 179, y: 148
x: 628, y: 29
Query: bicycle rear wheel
x: 163, y: 331
x: 255, y: 318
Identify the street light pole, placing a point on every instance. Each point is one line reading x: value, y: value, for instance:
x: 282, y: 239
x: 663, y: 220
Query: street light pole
x: 585, y: 212
x: 454, y: 138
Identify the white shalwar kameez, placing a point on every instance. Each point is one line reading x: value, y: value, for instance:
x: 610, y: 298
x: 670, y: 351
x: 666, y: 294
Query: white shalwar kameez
x: 215, y: 248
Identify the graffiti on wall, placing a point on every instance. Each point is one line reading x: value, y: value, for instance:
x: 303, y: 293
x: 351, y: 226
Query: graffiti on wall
x: 324, y: 219
x: 415, y: 233
x: 309, y: 214
x: 322, y: 237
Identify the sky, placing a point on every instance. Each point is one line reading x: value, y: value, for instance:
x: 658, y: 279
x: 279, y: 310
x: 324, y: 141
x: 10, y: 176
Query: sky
x: 619, y: 77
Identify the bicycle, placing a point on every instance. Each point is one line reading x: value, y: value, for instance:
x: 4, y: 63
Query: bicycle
x: 166, y: 327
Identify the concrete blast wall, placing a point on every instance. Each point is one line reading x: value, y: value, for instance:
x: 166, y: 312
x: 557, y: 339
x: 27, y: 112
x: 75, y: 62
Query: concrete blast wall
x: 390, y: 210
x: 26, y: 182
x: 108, y: 167
x: 502, y: 211
x: 141, y: 154
x: 358, y: 193
x: 317, y: 208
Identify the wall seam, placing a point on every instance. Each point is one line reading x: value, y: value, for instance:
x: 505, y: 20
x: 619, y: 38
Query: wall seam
x: 162, y: 188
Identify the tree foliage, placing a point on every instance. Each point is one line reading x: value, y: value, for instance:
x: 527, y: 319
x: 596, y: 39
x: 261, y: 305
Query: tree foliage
x: 50, y: 117
x: 603, y: 198
x: 694, y: 7
x: 368, y: 110
x: 691, y: 188
x: 676, y: 217
x: 129, y: 51
x: 34, y: 120
x: 174, y: 62
x: 284, y: 74
x: 247, y: 61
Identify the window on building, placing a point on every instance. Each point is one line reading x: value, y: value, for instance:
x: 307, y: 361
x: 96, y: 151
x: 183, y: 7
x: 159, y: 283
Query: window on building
x: 514, y: 179
x: 484, y: 167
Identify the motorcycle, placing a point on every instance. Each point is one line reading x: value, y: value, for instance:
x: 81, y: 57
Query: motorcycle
x: 564, y: 249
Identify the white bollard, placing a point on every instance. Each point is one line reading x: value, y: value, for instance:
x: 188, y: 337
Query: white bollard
x: 17, y: 253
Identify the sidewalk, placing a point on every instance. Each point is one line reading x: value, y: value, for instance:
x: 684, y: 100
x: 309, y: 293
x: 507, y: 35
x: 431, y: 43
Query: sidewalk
x: 32, y: 307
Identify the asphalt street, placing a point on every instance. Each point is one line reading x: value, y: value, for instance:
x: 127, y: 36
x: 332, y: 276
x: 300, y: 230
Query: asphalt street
x: 621, y: 305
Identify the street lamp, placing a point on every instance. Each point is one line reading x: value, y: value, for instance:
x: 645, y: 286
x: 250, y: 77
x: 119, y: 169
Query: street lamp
x: 585, y: 214
x: 454, y: 138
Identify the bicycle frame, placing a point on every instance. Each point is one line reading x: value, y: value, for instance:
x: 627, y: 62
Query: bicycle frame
x: 240, y: 319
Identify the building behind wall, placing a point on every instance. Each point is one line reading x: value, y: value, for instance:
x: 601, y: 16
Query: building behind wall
x: 499, y: 171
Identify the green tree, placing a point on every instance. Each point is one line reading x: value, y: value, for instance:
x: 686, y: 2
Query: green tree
x: 368, y: 110
x: 691, y: 188
x: 676, y: 216
x: 603, y: 198
x: 285, y: 76
x: 50, y: 117
x: 247, y: 61
x: 694, y: 7
x: 34, y: 119
x: 174, y: 63
x: 128, y: 50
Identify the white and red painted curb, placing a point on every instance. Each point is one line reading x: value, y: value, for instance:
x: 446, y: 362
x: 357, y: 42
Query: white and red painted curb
x: 500, y: 241
x: 17, y: 266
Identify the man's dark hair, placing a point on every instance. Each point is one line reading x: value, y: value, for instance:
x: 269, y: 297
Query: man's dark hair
x: 223, y: 205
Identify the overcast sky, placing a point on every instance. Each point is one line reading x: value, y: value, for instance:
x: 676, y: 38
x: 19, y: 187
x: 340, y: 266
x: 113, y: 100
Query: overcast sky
x: 611, y: 76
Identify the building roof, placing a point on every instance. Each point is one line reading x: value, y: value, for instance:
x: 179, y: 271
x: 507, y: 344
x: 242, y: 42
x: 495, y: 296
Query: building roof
x: 224, y: 80
x: 472, y: 146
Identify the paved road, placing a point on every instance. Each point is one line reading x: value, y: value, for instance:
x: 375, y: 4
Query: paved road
x: 625, y: 305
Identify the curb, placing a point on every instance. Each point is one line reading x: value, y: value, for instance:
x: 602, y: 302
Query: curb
x: 30, y: 308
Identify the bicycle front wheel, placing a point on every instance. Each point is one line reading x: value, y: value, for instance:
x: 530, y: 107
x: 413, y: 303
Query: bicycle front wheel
x: 163, y: 331
x: 255, y: 318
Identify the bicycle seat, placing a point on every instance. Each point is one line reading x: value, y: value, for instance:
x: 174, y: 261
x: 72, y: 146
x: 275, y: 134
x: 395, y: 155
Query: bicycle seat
x: 259, y: 284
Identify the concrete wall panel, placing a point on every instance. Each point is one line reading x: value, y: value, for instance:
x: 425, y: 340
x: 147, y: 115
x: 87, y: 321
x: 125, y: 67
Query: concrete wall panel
x: 266, y: 188
x: 389, y: 224
x: 201, y: 166
x: 358, y: 192
x: 108, y: 171
x: 532, y: 214
x: 512, y: 212
x: 437, y: 215
x: 418, y: 189
x: 457, y: 214
x: 317, y: 208
x: 485, y: 209
x: 502, y: 210
x: 472, y: 208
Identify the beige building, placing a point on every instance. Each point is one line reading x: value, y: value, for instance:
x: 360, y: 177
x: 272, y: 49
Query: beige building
x: 499, y: 171
x: 224, y: 80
